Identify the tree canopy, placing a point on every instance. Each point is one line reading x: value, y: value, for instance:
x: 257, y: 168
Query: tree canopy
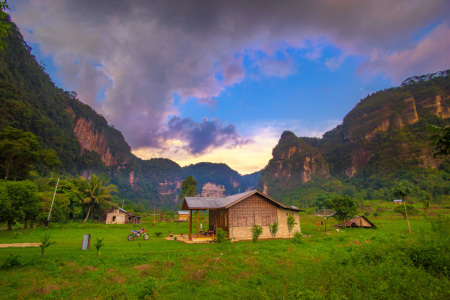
x: 188, y: 187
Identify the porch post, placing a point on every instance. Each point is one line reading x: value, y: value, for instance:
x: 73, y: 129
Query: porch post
x: 198, y: 213
x: 190, y: 222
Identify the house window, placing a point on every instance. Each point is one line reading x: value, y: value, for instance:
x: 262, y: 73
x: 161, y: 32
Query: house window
x: 114, y: 218
x: 129, y: 218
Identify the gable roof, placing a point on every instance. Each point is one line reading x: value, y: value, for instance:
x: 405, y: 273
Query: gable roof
x: 123, y: 211
x: 351, y: 221
x: 226, y: 202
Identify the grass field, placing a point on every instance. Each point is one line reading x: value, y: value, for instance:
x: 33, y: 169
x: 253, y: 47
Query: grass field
x: 383, y: 263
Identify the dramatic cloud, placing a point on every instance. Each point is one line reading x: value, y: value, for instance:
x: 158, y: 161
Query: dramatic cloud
x: 201, y: 136
x: 141, y: 53
x: 431, y: 54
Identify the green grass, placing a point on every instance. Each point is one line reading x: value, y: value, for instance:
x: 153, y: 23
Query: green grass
x: 375, y: 263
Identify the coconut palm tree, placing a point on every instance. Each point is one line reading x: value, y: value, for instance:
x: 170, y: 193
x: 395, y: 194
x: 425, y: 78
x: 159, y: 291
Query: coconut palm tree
x: 402, y: 190
x: 97, y: 190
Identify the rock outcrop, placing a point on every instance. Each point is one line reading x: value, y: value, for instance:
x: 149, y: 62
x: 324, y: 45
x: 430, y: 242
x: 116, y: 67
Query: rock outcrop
x: 213, y: 190
x: 381, y: 133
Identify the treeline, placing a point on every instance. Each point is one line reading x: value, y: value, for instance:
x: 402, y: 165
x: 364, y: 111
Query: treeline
x: 29, y: 202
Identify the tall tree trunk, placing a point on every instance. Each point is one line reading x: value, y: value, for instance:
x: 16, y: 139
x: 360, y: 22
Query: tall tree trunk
x: 87, y: 216
x: 7, y: 170
x: 25, y: 224
x: 9, y: 226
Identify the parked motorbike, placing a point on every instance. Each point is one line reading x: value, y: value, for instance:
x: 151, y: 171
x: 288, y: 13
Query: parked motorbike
x: 138, y: 233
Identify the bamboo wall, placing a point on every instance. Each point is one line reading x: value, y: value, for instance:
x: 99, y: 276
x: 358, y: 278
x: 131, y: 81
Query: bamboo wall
x: 253, y: 210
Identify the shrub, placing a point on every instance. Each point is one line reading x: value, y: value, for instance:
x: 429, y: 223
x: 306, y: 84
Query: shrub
x: 98, y: 245
x: 366, y: 213
x: 221, y: 236
x: 45, y: 242
x: 375, y: 214
x: 291, y: 223
x: 273, y: 229
x: 12, y: 261
x: 298, y: 238
x: 158, y: 233
x: 256, y: 232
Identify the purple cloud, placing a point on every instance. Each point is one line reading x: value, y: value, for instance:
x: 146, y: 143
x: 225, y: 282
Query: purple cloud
x: 207, y: 134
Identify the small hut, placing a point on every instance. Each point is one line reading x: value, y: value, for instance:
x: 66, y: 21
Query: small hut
x: 360, y: 222
x: 120, y: 216
x: 237, y: 214
x: 183, y: 215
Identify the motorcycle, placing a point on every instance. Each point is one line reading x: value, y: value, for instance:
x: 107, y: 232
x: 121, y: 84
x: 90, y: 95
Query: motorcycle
x: 138, y: 233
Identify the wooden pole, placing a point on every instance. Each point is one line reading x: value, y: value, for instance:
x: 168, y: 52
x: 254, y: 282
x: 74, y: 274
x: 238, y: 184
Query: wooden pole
x: 54, y: 194
x: 198, y: 214
x: 190, y: 222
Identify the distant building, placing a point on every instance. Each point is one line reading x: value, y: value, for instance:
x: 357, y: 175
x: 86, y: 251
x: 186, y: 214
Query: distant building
x: 120, y: 216
x: 183, y: 215
x: 360, y: 221
x: 237, y: 214
x: 399, y: 201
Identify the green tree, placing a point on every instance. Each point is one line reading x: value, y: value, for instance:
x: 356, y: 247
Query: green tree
x: 291, y: 223
x: 5, y: 27
x: 402, y: 190
x: 440, y: 139
x: 97, y: 191
x: 18, y: 150
x: 14, y: 197
x: 344, y: 206
x: 188, y: 187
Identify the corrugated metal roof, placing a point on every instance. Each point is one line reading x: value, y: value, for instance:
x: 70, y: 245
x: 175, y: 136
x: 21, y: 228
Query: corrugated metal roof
x: 183, y: 212
x: 224, y: 202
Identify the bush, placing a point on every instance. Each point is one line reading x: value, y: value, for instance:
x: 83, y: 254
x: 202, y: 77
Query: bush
x: 256, y: 232
x: 273, y: 229
x: 375, y: 214
x: 298, y: 238
x: 221, y: 236
x: 12, y: 261
x: 366, y: 213
x: 158, y: 233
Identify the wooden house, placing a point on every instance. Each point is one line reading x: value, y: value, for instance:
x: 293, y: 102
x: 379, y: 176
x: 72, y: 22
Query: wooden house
x: 360, y: 222
x: 237, y: 214
x: 183, y: 215
x: 120, y: 216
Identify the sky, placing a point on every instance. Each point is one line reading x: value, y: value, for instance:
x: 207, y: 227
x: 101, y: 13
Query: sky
x: 219, y: 81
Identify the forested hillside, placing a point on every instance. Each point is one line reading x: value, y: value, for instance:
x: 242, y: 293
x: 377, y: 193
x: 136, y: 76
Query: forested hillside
x: 384, y: 139
x: 83, y: 140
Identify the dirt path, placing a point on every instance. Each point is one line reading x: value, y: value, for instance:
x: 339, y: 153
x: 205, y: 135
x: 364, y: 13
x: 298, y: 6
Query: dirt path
x: 19, y: 245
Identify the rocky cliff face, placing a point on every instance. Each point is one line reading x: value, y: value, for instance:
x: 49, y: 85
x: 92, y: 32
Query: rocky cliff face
x: 213, y: 190
x: 385, y: 131
x: 294, y: 162
x: 93, y: 139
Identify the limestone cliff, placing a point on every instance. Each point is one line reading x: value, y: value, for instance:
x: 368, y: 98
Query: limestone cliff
x: 295, y: 161
x: 385, y: 132
x: 98, y: 138
x: 212, y: 190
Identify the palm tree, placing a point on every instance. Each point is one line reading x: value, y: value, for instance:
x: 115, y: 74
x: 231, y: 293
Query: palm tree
x: 97, y: 190
x: 402, y: 190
